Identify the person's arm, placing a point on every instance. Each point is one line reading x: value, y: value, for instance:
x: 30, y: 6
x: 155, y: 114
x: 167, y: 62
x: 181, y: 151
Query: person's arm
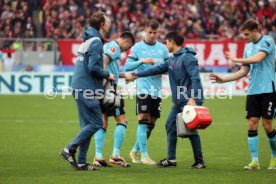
x: 122, y: 75
x: 111, y: 54
x: 257, y: 58
x: 95, y: 56
x: 192, y: 68
x: 159, y: 69
x: 232, y: 77
x: 134, y: 62
x: 106, y: 61
x: 264, y: 49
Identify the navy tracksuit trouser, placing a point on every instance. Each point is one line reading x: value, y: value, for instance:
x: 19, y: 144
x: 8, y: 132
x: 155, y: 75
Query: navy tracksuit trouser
x: 90, y: 118
x: 172, y: 136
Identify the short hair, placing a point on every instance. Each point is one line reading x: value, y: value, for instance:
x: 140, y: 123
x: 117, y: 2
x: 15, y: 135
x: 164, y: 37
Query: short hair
x: 97, y: 19
x: 250, y: 24
x: 176, y: 37
x: 128, y: 35
x: 152, y: 23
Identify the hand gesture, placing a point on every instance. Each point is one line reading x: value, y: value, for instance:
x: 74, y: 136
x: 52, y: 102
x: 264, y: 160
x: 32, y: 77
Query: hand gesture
x: 111, y: 77
x: 230, y: 56
x: 149, y: 61
x: 192, y: 102
x: 130, y: 78
x: 215, y: 78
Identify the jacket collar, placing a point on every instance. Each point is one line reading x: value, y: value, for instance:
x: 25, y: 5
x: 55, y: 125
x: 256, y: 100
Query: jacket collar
x: 179, y: 52
x: 92, y: 32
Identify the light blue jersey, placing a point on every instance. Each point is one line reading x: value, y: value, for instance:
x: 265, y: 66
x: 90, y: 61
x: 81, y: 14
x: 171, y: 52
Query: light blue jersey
x: 113, y: 51
x: 151, y: 85
x: 262, y: 75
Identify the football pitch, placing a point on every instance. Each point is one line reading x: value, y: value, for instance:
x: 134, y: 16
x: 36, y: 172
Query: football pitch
x: 33, y: 130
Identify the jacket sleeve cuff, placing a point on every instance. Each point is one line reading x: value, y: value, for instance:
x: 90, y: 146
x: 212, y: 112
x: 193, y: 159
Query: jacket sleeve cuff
x: 106, y: 74
x: 135, y: 74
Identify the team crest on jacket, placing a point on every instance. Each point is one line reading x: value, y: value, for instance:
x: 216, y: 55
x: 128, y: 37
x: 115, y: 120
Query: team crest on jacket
x: 112, y: 49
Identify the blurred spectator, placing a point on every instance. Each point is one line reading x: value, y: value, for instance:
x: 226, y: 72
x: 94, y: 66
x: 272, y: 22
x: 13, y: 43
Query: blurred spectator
x: 7, y: 13
x: 272, y: 32
x: 8, y: 63
x: 17, y: 45
x: 28, y: 68
x: 1, y: 61
x: 196, y: 19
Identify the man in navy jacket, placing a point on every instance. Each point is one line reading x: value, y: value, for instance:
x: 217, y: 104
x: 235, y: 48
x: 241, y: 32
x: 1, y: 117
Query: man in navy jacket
x: 87, y: 84
x: 186, y: 88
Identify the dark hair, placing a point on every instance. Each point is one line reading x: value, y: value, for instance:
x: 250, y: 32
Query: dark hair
x: 152, y: 23
x: 250, y: 24
x: 176, y: 37
x: 128, y: 35
x: 97, y: 19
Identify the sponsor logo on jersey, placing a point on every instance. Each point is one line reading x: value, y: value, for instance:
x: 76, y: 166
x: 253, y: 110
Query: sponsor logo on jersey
x: 112, y: 49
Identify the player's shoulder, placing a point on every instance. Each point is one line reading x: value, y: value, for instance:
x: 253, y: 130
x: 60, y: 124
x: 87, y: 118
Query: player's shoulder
x: 138, y: 44
x: 268, y: 40
x: 111, y: 44
x: 161, y: 46
x: 112, y: 47
x: 249, y: 45
x: 136, y: 47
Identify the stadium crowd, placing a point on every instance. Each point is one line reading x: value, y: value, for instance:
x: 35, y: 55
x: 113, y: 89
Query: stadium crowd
x: 195, y: 19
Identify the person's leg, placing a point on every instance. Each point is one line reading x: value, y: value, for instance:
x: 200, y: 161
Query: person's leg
x: 197, y: 150
x: 90, y: 122
x: 85, y: 145
x: 93, y: 116
x: 171, y: 133
x: 268, y: 113
x: 119, y: 134
x: 253, y: 108
x: 170, y: 161
x: 99, y: 138
x: 155, y: 111
x: 141, y: 138
x: 271, y: 135
x: 151, y: 126
x: 196, y: 146
x: 253, y: 143
x: 142, y: 133
x: 143, y: 111
x: 153, y: 105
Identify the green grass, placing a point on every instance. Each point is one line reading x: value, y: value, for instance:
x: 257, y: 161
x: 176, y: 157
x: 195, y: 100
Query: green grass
x: 33, y: 130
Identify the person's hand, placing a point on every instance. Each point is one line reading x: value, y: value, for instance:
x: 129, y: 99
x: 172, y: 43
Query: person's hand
x: 230, y: 56
x: 192, y: 102
x: 149, y: 61
x: 215, y: 78
x: 130, y: 78
x: 111, y: 77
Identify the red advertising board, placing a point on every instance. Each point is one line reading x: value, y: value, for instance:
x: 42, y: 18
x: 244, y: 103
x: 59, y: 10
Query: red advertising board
x: 208, y: 53
x: 68, y: 51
